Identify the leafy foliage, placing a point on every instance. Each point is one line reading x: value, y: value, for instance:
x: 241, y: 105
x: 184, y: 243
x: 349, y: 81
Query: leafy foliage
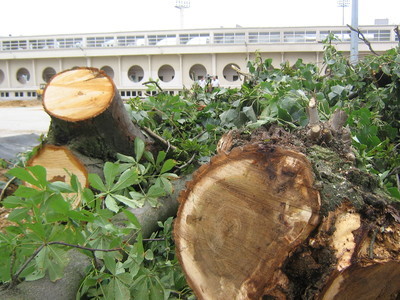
x: 46, y: 226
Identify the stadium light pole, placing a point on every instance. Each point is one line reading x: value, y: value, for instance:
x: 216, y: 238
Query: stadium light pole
x: 353, y: 34
x: 343, y: 4
x: 181, y: 5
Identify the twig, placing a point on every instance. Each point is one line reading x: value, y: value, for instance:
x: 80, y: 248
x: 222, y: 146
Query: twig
x: 14, y: 278
x: 159, y: 138
x: 188, y: 162
x: 363, y: 38
x: 153, y: 82
x: 6, y: 187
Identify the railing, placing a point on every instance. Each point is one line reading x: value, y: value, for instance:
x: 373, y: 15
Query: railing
x: 195, y: 37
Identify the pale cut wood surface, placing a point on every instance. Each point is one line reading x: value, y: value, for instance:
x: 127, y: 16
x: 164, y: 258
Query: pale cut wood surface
x: 58, y: 159
x: 78, y: 94
x: 239, y: 218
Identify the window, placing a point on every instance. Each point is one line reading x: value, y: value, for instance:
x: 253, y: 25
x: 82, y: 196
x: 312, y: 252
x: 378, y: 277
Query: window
x: 47, y: 74
x: 127, y: 41
x: 23, y: 75
x: 229, y: 73
x: 264, y: 37
x: 197, y: 71
x: 109, y: 71
x: 299, y: 36
x: 15, y: 45
x: 194, y: 39
x: 69, y: 42
x: 100, y: 41
x: 166, y: 73
x: 41, y: 44
x: 1, y: 76
x: 229, y: 38
x: 135, y: 73
x: 162, y: 39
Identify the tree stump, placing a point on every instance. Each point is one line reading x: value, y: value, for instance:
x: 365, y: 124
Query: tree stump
x: 89, y: 125
x: 271, y: 217
x: 88, y: 115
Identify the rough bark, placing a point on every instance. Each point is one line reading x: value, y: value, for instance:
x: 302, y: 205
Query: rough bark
x: 250, y: 225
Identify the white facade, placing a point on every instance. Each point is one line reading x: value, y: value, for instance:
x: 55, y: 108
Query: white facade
x: 175, y: 58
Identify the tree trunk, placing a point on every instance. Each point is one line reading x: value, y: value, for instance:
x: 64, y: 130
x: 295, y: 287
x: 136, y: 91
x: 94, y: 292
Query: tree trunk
x: 280, y: 219
x: 88, y: 115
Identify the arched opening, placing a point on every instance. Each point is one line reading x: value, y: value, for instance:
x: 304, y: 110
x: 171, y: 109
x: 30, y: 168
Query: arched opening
x: 1, y: 76
x: 197, y: 71
x: 109, y: 71
x: 23, y: 75
x: 48, y: 73
x: 230, y: 74
x: 135, y: 73
x: 166, y: 73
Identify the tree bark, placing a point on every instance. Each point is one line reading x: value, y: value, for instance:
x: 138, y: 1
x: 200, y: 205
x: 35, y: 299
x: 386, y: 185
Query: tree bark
x: 271, y: 217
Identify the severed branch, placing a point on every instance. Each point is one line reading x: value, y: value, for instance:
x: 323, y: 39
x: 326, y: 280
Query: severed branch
x: 314, y: 125
x: 363, y: 38
x: 159, y: 138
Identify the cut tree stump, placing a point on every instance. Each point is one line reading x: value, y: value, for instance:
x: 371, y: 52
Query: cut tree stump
x: 88, y: 115
x: 281, y: 219
x: 89, y: 125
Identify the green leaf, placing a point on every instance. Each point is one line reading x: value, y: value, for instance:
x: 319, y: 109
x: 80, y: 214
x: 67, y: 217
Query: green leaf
x: 127, y: 201
x: 58, y: 204
x: 18, y: 214
x: 128, y: 178
x: 168, y: 165
x: 149, y: 255
x: 160, y: 157
x: 61, y: 187
x: 131, y: 217
x: 111, y: 171
x: 111, y: 204
x: 139, y: 148
x: 24, y: 175
x: 96, y: 182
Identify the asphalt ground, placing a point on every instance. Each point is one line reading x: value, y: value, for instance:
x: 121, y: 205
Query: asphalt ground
x: 20, y: 129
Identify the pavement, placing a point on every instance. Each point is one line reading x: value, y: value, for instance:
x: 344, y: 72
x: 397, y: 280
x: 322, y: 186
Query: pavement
x: 20, y: 129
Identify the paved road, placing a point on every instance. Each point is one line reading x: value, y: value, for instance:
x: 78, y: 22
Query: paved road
x: 20, y: 128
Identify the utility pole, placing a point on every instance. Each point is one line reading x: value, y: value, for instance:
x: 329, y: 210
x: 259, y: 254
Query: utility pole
x: 181, y: 5
x: 354, y: 35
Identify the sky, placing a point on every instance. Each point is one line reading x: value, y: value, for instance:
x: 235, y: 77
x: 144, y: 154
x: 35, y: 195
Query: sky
x: 41, y: 17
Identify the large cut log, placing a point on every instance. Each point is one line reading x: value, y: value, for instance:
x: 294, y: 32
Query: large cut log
x: 271, y: 217
x: 242, y: 214
x: 88, y: 115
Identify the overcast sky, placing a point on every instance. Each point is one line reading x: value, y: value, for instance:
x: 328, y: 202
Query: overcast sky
x: 37, y: 17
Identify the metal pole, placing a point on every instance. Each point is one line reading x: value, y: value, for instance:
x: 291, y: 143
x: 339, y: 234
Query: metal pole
x: 354, y: 35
